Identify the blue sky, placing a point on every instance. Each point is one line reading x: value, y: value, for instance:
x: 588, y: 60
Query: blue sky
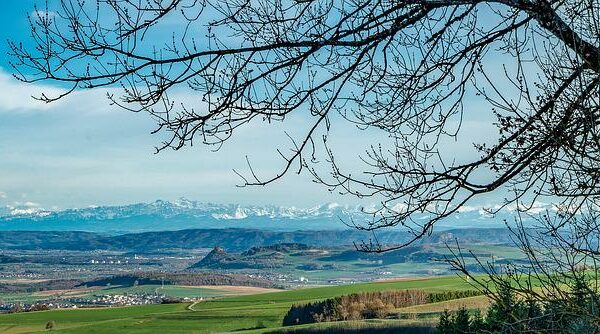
x: 80, y: 151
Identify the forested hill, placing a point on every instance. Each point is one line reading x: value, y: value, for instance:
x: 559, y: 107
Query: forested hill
x: 235, y: 240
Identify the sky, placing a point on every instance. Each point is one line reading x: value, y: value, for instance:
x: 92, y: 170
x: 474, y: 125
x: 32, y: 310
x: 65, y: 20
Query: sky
x: 80, y: 151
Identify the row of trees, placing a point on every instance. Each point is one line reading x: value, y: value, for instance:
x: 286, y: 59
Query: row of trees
x: 367, y: 305
x: 437, y: 297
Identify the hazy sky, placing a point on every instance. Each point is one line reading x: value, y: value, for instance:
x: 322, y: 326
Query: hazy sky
x: 80, y: 151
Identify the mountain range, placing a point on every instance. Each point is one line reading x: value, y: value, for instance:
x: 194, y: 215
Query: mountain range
x: 186, y: 214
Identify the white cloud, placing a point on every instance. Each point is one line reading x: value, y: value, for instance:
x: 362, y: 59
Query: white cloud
x: 2, y: 195
x: 42, y: 15
x: 16, y: 95
x: 21, y: 96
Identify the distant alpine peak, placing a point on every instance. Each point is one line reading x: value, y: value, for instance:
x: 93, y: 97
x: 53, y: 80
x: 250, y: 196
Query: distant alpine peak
x: 183, y: 206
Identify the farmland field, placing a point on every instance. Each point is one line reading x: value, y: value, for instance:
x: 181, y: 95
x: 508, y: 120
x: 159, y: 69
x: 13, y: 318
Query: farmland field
x: 255, y: 313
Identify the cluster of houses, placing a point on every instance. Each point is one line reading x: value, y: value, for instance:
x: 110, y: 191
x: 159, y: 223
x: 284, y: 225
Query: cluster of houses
x: 128, y: 299
x: 96, y: 301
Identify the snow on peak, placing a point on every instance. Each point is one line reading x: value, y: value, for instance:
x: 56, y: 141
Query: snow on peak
x: 333, y: 205
x: 28, y: 211
x: 239, y: 214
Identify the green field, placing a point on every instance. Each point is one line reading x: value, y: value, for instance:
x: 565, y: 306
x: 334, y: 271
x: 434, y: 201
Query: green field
x: 245, y: 314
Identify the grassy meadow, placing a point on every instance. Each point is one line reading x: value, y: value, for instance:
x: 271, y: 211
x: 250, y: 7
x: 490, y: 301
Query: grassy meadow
x: 256, y: 313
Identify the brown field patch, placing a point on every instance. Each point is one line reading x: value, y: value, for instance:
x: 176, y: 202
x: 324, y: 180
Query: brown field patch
x: 403, y: 279
x: 22, y: 281
x: 69, y: 292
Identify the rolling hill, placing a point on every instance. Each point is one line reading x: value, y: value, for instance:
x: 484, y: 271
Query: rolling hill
x: 231, y: 239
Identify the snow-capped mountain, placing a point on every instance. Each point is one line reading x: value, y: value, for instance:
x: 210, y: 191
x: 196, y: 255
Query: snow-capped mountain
x: 179, y: 214
x: 183, y: 206
x: 188, y: 214
x: 168, y: 209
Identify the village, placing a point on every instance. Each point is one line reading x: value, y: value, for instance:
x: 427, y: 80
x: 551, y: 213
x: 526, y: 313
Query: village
x: 105, y: 300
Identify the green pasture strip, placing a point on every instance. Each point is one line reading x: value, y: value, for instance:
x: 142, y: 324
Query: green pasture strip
x: 79, y: 317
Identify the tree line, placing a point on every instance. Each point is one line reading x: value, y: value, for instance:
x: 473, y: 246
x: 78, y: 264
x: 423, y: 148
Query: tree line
x: 366, y: 305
